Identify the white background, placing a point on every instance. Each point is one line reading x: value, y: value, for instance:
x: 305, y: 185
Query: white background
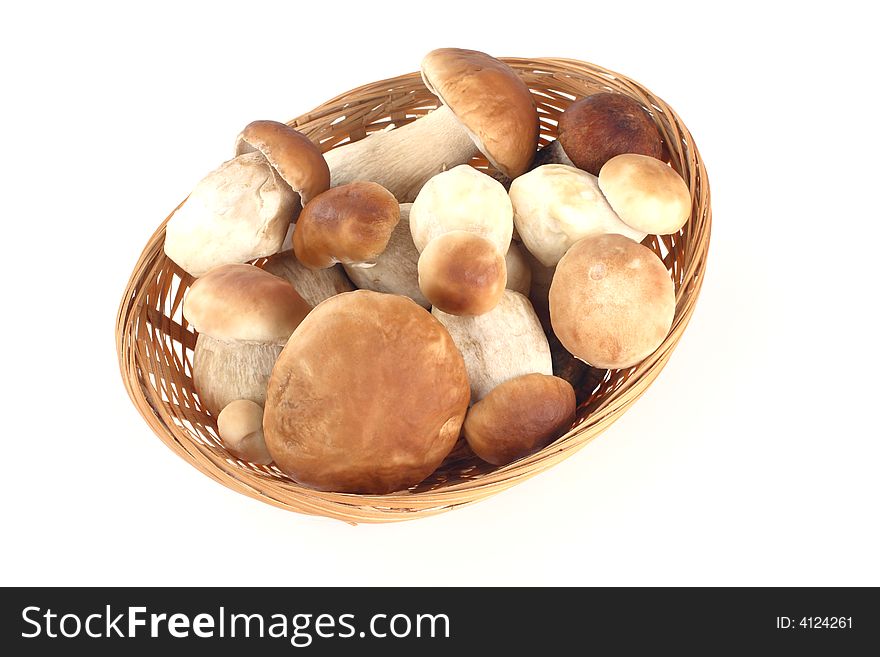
x: 753, y: 459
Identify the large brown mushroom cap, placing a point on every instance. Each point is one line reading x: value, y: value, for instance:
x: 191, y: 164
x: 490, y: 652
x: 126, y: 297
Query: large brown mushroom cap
x: 594, y: 129
x: 293, y: 155
x: 490, y: 100
x: 243, y: 302
x: 368, y: 396
x: 350, y: 224
x: 612, y: 301
x: 519, y: 417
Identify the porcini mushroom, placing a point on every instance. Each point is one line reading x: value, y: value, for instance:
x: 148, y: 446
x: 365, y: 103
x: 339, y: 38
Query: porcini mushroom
x: 462, y: 273
x: 462, y: 199
x: 293, y: 155
x: 396, y: 270
x: 612, y: 301
x: 241, y: 210
x: 501, y: 344
x: 647, y: 194
x: 518, y: 417
x: 350, y: 224
x: 313, y: 285
x: 485, y: 108
x: 556, y: 205
x: 596, y: 128
x: 243, y: 316
x: 368, y: 396
x: 240, y: 425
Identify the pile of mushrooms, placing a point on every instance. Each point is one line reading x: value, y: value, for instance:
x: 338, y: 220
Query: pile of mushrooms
x: 422, y: 302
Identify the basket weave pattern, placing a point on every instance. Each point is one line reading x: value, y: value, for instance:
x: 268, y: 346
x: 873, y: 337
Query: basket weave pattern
x: 155, y: 344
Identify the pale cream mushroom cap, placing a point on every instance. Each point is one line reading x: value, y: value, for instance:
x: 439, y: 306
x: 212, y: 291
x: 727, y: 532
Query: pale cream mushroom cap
x: 555, y: 205
x: 646, y: 193
x: 238, y: 212
x: 462, y: 198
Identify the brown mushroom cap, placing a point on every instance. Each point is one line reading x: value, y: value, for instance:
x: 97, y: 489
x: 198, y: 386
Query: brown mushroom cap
x: 646, y: 194
x: 245, y: 303
x: 240, y: 425
x: 612, y: 301
x: 293, y: 155
x: 350, y: 224
x: 490, y: 100
x: 594, y: 129
x: 462, y: 273
x: 519, y: 417
x: 368, y: 396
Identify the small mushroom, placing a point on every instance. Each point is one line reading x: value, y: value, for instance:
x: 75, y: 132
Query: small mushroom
x: 556, y: 205
x: 519, y: 417
x: 519, y: 274
x: 612, y: 301
x: 596, y: 128
x: 243, y: 316
x: 240, y: 425
x: 502, y: 344
x: 462, y: 273
x: 396, y: 269
x: 241, y: 210
x: 462, y: 198
x: 486, y: 108
x: 293, y: 155
x: 646, y: 194
x: 313, y: 285
x: 350, y: 224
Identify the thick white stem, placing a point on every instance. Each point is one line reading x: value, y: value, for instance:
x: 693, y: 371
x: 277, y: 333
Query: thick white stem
x: 403, y: 159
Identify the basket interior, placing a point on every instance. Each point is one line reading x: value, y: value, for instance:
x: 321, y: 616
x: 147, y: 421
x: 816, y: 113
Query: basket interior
x: 156, y: 344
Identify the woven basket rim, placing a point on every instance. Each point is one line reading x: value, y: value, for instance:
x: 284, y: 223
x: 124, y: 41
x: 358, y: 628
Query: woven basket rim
x: 354, y: 508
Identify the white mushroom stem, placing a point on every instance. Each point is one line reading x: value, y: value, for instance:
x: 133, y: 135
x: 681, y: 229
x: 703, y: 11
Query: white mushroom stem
x: 224, y: 371
x: 403, y: 159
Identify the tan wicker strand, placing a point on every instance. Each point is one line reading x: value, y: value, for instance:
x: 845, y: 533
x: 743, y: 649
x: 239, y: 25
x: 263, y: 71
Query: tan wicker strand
x: 155, y: 344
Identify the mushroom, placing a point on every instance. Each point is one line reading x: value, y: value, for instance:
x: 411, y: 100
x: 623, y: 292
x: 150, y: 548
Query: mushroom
x: 519, y: 275
x: 486, y: 107
x: 243, y: 316
x: 501, y: 344
x: 241, y: 210
x: 368, y: 396
x: 313, y: 285
x: 350, y: 224
x: 646, y: 194
x: 556, y: 205
x: 596, y: 128
x: 240, y: 425
x: 612, y: 301
x: 462, y: 198
x: 293, y: 155
x: 519, y: 417
x: 396, y: 269
x: 462, y: 273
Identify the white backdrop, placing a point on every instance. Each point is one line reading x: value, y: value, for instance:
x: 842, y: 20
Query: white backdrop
x: 752, y: 459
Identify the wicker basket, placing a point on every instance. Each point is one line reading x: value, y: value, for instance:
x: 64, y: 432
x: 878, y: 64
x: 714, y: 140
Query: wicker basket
x: 155, y: 345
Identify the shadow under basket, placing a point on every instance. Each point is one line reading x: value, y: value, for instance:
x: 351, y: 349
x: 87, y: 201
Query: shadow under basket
x: 155, y: 344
